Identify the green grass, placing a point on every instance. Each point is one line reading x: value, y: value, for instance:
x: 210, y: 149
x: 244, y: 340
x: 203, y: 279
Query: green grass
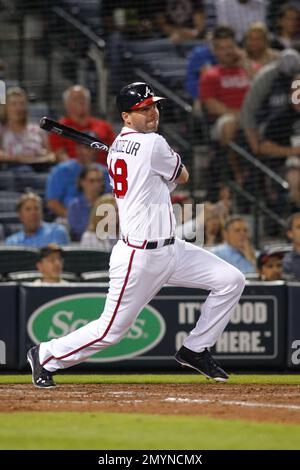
x: 155, y: 378
x: 87, y: 430
x: 127, y: 431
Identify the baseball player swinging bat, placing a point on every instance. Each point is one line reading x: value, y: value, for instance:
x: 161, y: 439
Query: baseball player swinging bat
x: 65, y: 131
x: 142, y: 165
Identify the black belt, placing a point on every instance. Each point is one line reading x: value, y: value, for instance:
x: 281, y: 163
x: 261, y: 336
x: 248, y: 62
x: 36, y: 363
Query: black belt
x: 152, y: 245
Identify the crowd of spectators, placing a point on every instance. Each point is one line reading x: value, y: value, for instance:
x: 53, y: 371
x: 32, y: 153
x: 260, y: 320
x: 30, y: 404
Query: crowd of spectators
x: 74, y: 176
x: 240, y: 76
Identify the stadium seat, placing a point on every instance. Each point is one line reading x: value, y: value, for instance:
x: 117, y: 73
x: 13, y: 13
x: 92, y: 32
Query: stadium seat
x: 2, y: 232
x: 150, y: 46
x: 9, y: 218
x: 8, y: 204
x: 6, y: 193
x: 17, y: 258
x: 252, y: 276
x: 29, y: 276
x: 79, y: 259
x: 70, y: 277
x: 95, y: 276
x: 37, y: 110
x: 7, y: 180
x: 30, y: 180
x: 23, y: 276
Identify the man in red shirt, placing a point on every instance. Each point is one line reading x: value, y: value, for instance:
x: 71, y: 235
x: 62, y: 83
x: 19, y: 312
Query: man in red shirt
x: 223, y: 88
x: 77, y: 105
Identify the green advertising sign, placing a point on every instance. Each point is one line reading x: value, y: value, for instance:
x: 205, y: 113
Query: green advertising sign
x: 66, y: 314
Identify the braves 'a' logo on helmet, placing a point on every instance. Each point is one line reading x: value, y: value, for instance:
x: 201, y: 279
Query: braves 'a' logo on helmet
x: 136, y: 95
x: 148, y: 92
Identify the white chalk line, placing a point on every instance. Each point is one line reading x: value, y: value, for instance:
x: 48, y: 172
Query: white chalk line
x: 248, y: 404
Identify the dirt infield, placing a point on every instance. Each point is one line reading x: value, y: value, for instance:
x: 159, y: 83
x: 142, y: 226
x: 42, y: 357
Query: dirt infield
x: 274, y: 403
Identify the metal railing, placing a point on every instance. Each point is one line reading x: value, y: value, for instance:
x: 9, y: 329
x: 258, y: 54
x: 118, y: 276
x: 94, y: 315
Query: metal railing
x: 96, y: 53
x: 257, y: 204
x: 259, y: 165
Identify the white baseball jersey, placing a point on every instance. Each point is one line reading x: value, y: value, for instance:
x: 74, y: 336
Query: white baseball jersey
x: 141, y: 166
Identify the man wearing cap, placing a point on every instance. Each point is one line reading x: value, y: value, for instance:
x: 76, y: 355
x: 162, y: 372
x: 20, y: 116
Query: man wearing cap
x: 62, y: 186
x: 50, y: 265
x: 269, y: 265
x: 143, y: 170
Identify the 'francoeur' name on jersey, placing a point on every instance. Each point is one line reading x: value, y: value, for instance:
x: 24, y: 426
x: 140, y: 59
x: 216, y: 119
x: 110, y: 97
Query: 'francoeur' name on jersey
x: 125, y: 146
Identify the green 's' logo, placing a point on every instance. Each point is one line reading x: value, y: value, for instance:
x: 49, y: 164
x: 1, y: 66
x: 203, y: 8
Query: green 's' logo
x: 66, y: 314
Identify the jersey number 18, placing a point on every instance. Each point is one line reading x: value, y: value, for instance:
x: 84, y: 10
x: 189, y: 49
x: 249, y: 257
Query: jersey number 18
x: 120, y: 177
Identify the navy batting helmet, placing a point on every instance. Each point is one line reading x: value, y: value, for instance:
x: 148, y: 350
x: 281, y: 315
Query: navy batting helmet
x: 136, y: 95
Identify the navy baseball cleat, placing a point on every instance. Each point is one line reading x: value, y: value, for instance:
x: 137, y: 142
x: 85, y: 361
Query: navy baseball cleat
x: 41, y: 377
x: 203, y: 362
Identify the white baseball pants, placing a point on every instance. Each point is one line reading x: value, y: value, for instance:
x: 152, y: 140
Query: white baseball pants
x: 136, y: 276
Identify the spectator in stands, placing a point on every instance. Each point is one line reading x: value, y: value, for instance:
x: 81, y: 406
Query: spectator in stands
x: 77, y: 102
x: 217, y: 213
x: 50, y: 265
x: 213, y: 226
x: 201, y: 58
x: 291, y: 260
x: 3, y: 67
x: 225, y: 204
x: 22, y: 143
x: 269, y: 92
x: 36, y: 232
x: 256, y: 45
x: 280, y: 144
x: 269, y: 265
x: 223, y: 86
x: 222, y: 89
x: 181, y: 20
x: 134, y: 21
x: 103, y: 228
x: 288, y: 24
x: 256, y: 54
x: 62, y: 182
x: 237, y: 249
x: 239, y: 14
x: 124, y: 20
x: 91, y: 186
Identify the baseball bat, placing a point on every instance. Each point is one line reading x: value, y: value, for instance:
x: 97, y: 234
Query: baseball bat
x: 65, y: 131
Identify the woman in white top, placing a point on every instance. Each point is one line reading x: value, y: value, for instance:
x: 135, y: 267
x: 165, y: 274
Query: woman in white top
x: 103, y: 228
x: 22, y: 142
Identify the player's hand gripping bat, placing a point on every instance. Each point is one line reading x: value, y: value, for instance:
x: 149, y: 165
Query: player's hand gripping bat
x: 65, y: 131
